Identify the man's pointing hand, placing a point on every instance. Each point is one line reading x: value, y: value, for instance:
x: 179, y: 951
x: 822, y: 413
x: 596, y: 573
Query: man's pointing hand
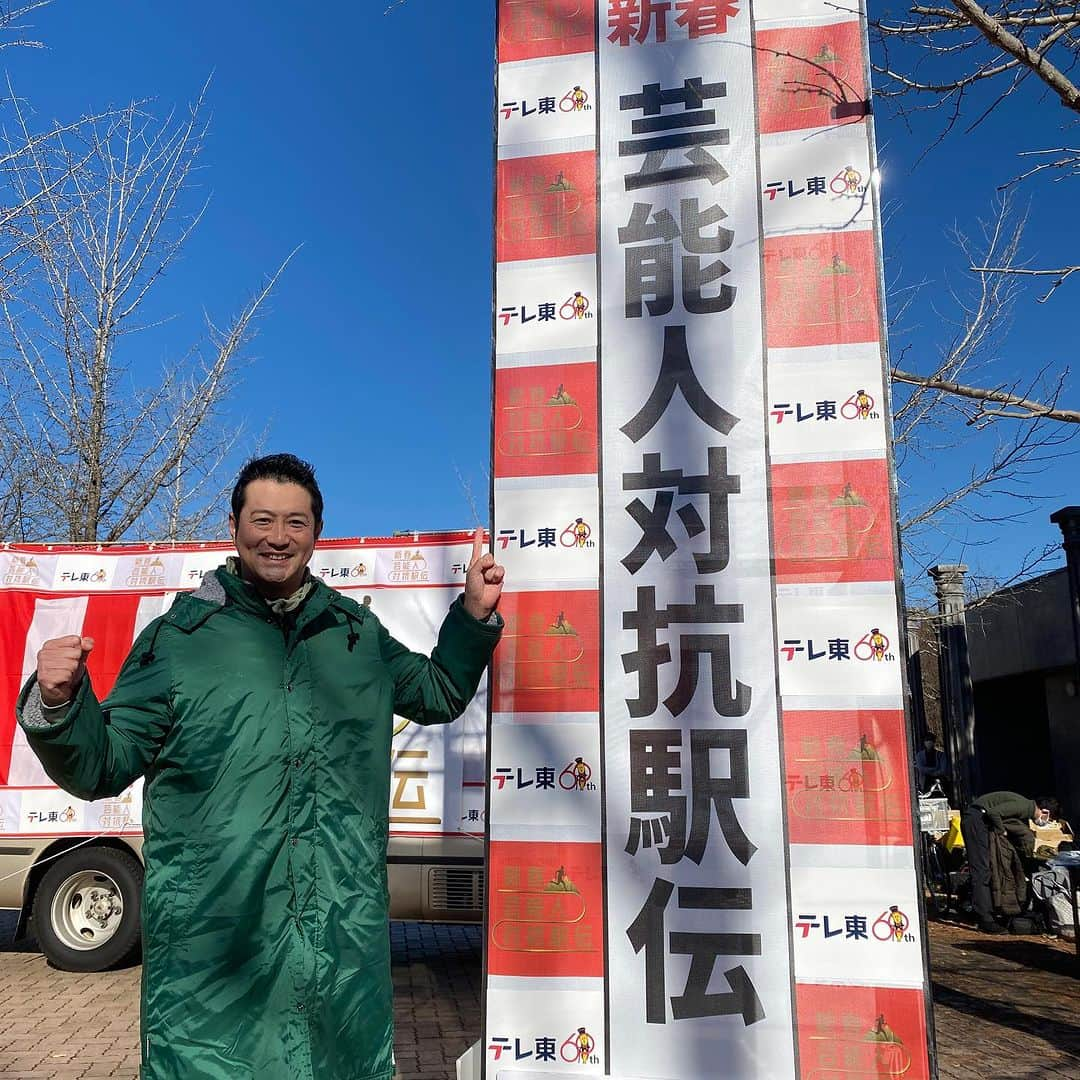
x: 483, y: 580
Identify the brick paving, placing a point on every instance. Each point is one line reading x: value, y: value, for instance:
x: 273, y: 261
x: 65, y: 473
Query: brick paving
x: 60, y: 1025
x: 1005, y: 1008
x: 437, y: 976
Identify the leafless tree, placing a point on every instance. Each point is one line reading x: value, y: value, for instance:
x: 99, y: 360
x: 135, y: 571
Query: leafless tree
x: 961, y: 59
x: 944, y: 51
x: 971, y: 406
x: 957, y: 61
x: 106, y: 446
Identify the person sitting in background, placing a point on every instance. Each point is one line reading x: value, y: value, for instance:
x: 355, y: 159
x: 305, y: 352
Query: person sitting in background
x: 999, y: 814
x: 930, y: 764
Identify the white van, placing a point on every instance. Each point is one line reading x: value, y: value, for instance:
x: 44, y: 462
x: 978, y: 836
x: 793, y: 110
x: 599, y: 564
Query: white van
x: 73, y: 870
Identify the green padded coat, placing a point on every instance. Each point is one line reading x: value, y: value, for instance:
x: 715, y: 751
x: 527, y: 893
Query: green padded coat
x: 265, y: 744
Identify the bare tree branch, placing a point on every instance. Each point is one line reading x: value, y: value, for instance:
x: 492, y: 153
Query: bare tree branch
x: 986, y: 40
x: 965, y: 399
x: 1060, y: 276
x: 953, y: 403
x: 1035, y: 59
x: 941, y: 55
x: 1028, y: 410
x: 11, y: 23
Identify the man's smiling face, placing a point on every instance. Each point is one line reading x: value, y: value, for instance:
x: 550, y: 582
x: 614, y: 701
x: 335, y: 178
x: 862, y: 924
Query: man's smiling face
x: 274, y: 536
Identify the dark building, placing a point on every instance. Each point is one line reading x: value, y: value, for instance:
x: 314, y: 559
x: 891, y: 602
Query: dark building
x: 1027, y: 690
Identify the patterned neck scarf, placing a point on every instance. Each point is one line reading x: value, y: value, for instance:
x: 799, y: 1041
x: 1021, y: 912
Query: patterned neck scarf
x: 286, y: 603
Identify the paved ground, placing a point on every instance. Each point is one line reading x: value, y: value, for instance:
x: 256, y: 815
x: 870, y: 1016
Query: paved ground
x: 1005, y: 1008
x: 436, y: 997
x: 59, y: 1025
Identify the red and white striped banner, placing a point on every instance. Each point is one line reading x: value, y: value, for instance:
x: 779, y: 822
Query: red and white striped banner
x: 111, y: 593
x: 701, y: 853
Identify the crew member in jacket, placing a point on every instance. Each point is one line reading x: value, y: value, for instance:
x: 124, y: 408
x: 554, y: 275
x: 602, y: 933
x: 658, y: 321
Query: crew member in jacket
x: 1006, y: 813
x: 260, y: 711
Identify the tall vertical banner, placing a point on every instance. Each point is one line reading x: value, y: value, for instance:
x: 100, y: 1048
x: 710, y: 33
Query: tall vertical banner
x: 701, y: 856
x: 545, y: 952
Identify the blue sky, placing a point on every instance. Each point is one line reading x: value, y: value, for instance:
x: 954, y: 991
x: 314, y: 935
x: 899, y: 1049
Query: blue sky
x: 367, y: 139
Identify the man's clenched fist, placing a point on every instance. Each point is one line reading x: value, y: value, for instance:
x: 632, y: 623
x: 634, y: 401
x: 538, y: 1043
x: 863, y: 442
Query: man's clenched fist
x: 61, y: 665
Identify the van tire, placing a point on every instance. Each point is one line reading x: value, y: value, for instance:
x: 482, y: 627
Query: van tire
x: 86, y: 910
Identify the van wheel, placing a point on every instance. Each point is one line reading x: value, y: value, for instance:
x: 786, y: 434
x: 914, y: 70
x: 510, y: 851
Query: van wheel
x: 86, y: 910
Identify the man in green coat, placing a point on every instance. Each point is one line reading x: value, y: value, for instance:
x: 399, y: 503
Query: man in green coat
x: 1003, y: 813
x: 260, y: 711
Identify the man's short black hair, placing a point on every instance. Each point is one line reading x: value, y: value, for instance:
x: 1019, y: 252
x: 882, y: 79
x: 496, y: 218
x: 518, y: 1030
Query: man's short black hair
x: 285, y: 469
x: 1049, y: 804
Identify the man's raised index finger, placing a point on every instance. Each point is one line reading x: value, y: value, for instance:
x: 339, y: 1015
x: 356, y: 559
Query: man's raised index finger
x: 477, y: 545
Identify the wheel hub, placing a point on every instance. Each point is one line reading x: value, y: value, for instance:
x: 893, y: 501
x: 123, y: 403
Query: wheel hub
x: 86, y: 910
x: 102, y: 906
